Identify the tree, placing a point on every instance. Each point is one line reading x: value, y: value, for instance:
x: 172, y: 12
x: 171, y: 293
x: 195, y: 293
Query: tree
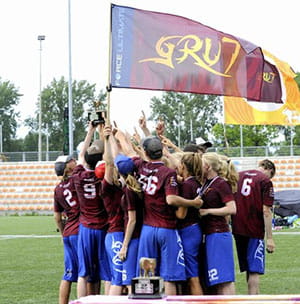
x: 9, y: 99
x: 252, y: 135
x: 186, y: 115
x: 54, y: 104
x: 228, y: 138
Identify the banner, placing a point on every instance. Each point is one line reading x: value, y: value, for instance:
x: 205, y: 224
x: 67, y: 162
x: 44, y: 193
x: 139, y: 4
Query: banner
x: 157, y: 51
x: 245, y: 112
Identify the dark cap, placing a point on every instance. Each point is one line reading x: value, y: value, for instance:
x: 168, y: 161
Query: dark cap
x: 97, y: 147
x: 153, y: 147
x: 201, y: 142
x: 124, y: 164
x: 191, y: 148
x: 60, y: 164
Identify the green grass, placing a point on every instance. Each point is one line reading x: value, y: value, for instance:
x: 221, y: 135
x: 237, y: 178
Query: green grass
x: 31, y: 268
x: 282, y: 275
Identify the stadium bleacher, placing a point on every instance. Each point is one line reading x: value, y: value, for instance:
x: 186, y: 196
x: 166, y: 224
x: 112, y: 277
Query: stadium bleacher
x: 287, y: 170
x: 27, y: 187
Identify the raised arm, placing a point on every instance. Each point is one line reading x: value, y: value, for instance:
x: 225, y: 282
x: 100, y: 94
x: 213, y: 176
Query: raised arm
x: 143, y: 124
x: 125, y: 143
x: 108, y: 155
x: 86, y: 143
x: 168, y: 143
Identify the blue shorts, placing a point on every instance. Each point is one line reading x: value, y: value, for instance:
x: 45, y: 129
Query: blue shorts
x: 165, y: 246
x: 219, y: 258
x: 92, y: 258
x: 129, y: 265
x: 113, y: 244
x: 251, y: 254
x: 191, y: 237
x: 70, y: 258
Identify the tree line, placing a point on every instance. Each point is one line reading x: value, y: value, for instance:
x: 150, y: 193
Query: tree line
x: 186, y: 116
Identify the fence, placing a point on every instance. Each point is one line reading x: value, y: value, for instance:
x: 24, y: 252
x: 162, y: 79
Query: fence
x: 262, y: 151
x: 30, y: 156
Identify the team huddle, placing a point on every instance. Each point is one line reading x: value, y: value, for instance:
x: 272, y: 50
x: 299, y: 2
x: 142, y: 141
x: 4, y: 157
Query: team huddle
x: 127, y: 198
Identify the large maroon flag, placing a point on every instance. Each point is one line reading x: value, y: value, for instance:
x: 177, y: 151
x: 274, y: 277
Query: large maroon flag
x: 158, y: 51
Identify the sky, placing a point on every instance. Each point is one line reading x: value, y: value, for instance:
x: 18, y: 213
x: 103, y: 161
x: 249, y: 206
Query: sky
x: 270, y: 24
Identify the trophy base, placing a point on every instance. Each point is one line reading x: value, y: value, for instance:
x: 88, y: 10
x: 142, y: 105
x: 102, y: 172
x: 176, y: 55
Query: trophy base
x: 147, y: 288
x: 133, y: 296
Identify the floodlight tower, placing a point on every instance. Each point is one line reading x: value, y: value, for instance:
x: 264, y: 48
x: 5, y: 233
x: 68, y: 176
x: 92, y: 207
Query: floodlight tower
x: 40, y: 38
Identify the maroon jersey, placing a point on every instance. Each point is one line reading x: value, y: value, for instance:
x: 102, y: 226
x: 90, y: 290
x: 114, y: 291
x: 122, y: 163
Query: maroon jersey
x: 111, y: 195
x: 132, y: 202
x: 157, y: 182
x: 65, y: 200
x: 92, y: 211
x: 189, y: 189
x: 215, y: 194
x: 255, y: 189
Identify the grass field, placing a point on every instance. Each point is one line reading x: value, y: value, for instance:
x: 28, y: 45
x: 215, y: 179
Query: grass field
x: 31, y: 267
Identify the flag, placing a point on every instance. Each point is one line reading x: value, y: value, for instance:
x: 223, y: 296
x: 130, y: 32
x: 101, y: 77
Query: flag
x: 158, y: 51
x: 239, y: 110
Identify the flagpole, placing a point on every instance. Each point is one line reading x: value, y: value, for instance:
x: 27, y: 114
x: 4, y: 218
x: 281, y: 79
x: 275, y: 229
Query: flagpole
x: 224, y: 127
x: 108, y: 87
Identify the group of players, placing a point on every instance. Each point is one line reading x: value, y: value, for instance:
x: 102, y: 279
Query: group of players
x: 128, y: 197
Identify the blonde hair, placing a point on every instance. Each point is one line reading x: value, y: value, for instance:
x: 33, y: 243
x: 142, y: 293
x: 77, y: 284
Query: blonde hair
x: 193, y: 164
x: 229, y: 172
x: 223, y: 166
x: 133, y: 184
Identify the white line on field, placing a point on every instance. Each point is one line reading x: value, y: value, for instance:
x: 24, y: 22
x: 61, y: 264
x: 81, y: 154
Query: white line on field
x: 19, y: 236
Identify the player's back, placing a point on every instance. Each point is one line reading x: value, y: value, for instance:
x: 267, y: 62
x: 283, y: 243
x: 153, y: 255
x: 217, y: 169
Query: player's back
x: 157, y: 181
x: 254, y: 190
x: 65, y: 200
x: 92, y: 211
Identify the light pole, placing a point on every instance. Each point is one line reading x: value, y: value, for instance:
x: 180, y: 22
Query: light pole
x: 70, y: 101
x: 40, y: 38
x: 1, y: 139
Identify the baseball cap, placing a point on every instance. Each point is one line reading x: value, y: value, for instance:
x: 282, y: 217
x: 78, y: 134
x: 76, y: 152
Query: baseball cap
x: 191, y: 148
x: 60, y: 164
x: 153, y: 146
x: 97, y: 147
x: 100, y: 169
x: 124, y: 164
x: 201, y: 142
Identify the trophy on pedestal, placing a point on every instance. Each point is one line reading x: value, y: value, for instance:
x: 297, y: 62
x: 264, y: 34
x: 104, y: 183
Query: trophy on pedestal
x: 98, y: 114
x: 147, y: 285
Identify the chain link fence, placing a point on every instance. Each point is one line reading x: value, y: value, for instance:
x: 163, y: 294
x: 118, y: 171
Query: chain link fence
x: 263, y: 151
x: 258, y: 151
x: 29, y: 156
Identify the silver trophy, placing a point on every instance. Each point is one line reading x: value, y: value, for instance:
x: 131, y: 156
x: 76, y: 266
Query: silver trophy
x: 97, y: 115
x: 147, y: 285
